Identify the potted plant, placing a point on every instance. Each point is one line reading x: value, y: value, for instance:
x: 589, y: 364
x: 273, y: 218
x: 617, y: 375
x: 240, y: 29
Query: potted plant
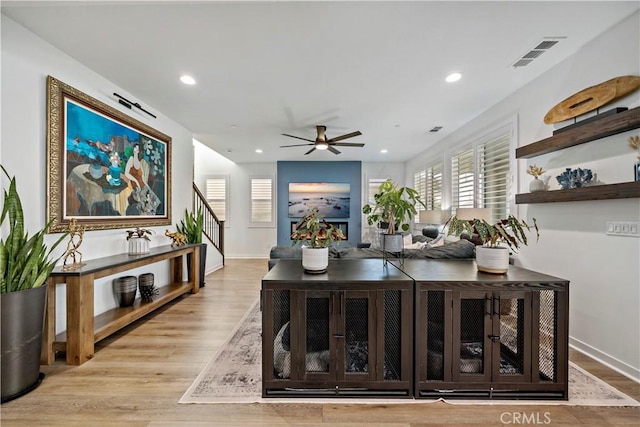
x: 139, y: 240
x: 25, y: 265
x: 493, y: 255
x: 192, y: 227
x: 536, y: 184
x: 317, y: 236
x: 395, y: 206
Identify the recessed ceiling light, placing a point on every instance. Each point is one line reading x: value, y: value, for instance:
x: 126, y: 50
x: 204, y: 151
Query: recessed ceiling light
x: 188, y: 80
x: 384, y: 151
x: 258, y: 150
x: 453, y: 77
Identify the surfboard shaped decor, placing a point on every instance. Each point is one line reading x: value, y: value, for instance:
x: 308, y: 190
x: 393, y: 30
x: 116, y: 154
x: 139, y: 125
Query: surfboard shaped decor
x: 592, y: 98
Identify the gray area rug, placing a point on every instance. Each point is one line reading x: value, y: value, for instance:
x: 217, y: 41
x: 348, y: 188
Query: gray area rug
x: 233, y: 376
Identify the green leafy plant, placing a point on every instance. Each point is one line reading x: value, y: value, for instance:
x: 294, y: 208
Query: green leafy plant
x: 25, y: 262
x: 510, y: 231
x: 192, y: 226
x: 394, y: 205
x: 140, y: 233
x: 313, y: 228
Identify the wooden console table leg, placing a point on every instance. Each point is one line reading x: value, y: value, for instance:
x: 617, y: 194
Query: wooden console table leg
x: 80, y: 333
x: 47, y: 356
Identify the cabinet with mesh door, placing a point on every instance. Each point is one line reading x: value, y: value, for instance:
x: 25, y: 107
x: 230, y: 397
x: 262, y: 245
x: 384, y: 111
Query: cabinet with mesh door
x: 338, y: 337
x: 496, y: 337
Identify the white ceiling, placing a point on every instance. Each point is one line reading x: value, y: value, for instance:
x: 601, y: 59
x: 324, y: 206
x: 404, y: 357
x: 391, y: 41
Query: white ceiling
x: 269, y: 67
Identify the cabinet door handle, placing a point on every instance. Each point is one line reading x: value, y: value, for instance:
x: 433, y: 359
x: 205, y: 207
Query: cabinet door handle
x: 487, y: 305
x: 498, y: 301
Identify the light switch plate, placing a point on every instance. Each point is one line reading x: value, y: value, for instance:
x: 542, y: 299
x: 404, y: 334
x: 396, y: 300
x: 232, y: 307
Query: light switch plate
x: 623, y: 228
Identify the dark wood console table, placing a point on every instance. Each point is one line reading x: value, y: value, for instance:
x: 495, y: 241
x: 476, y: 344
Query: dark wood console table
x: 84, y: 329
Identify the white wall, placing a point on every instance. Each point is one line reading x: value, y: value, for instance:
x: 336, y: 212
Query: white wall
x: 241, y: 239
x: 604, y: 270
x: 26, y: 62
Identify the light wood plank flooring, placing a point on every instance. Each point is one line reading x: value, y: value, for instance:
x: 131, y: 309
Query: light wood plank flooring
x: 139, y: 374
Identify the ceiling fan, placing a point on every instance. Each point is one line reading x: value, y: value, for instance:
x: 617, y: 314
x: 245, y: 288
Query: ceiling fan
x: 322, y: 143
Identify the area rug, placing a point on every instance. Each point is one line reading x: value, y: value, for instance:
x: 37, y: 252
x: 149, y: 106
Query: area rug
x: 233, y: 376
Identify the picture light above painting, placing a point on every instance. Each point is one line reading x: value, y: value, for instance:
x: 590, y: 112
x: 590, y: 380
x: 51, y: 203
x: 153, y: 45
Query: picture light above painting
x: 105, y: 169
x: 331, y: 199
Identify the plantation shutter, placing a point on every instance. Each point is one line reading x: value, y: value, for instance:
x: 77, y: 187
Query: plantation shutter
x: 433, y: 187
x: 373, y: 185
x: 216, y: 194
x: 462, y: 180
x: 420, y: 185
x: 261, y: 200
x: 494, y: 176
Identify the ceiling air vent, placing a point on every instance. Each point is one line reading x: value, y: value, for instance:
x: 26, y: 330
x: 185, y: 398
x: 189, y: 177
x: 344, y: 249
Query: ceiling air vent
x: 540, y: 48
x: 435, y: 129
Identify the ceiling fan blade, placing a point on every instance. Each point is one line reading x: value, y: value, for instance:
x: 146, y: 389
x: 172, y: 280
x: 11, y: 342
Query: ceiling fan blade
x: 346, y: 136
x: 297, y: 137
x: 348, y: 144
x: 333, y: 150
x: 310, y: 151
x: 295, y: 145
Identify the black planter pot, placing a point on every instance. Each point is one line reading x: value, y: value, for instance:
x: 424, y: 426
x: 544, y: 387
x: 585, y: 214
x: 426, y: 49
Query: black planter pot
x: 22, y: 325
x: 203, y: 263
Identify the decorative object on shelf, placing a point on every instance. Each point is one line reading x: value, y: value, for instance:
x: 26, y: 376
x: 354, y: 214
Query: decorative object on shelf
x: 574, y: 178
x: 491, y: 257
x: 592, y: 98
x: 124, y: 290
x: 138, y: 240
x: 148, y: 290
x: 177, y: 239
x: 395, y: 206
x: 76, y: 233
x: 317, y: 235
x: 537, y: 184
x: 634, y: 143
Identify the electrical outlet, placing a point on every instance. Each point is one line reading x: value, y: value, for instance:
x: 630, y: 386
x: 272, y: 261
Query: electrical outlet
x: 623, y: 228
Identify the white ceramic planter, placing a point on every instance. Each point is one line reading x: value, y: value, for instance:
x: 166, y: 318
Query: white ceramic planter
x: 536, y: 185
x: 492, y: 260
x: 138, y: 246
x: 315, y: 260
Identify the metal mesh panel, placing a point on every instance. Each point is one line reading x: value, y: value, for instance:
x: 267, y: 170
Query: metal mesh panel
x: 317, y: 332
x: 511, y: 336
x: 357, y: 335
x: 392, y: 343
x: 548, y: 333
x: 282, y: 341
x: 435, y: 335
x: 472, y: 336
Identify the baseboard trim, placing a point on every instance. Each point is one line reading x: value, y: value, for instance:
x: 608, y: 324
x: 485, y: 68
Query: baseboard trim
x: 617, y: 365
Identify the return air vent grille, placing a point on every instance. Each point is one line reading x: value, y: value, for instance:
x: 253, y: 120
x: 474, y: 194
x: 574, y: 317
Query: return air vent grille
x: 542, y: 46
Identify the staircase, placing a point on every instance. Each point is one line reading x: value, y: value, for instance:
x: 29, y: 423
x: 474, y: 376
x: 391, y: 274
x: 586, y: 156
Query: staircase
x: 213, y: 228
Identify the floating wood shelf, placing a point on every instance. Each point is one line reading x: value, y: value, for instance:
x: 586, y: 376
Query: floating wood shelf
x: 596, y: 129
x: 622, y: 190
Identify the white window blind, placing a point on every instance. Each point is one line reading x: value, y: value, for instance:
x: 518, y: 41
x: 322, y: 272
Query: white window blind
x: 262, y: 200
x: 481, y: 176
x: 373, y: 185
x: 433, y: 188
x: 216, y: 194
x: 420, y: 185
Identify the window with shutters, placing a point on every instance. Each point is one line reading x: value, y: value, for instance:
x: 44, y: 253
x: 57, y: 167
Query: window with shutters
x: 481, y: 175
x: 217, y: 194
x: 373, y: 185
x: 420, y: 185
x: 428, y: 183
x: 262, y: 206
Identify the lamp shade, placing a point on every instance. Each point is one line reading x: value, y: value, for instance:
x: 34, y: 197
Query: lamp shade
x: 431, y: 217
x: 474, y: 213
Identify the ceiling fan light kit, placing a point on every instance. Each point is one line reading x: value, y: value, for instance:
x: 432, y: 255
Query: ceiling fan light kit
x: 322, y: 143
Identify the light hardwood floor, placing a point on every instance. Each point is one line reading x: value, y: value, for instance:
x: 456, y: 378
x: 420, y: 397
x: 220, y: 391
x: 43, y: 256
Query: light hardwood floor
x: 138, y: 375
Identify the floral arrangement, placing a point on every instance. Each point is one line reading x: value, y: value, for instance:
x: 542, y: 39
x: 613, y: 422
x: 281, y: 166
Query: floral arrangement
x: 314, y: 229
x: 634, y: 143
x: 535, y: 171
x: 140, y: 233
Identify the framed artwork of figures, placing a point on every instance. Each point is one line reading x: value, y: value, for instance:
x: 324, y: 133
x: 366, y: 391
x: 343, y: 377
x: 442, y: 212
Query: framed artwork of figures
x: 105, y: 169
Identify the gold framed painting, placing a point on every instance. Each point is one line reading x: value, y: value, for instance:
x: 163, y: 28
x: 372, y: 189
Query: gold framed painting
x: 105, y: 169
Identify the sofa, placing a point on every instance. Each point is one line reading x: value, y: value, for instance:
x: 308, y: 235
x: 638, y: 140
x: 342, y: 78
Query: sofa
x: 421, y: 247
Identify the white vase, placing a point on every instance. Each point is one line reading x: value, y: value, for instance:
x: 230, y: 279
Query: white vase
x: 138, y: 246
x: 536, y: 185
x: 315, y: 260
x: 492, y: 260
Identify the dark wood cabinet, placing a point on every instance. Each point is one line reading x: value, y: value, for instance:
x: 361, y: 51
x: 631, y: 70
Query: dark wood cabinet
x: 345, y: 333
x: 489, y: 336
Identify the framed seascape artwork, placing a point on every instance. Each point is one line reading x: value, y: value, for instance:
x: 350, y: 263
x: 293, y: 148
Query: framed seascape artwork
x: 105, y: 169
x: 332, y: 199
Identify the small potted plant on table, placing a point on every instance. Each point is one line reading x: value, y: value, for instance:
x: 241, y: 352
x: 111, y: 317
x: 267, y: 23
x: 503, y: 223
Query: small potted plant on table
x: 492, y: 256
x: 317, y: 236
